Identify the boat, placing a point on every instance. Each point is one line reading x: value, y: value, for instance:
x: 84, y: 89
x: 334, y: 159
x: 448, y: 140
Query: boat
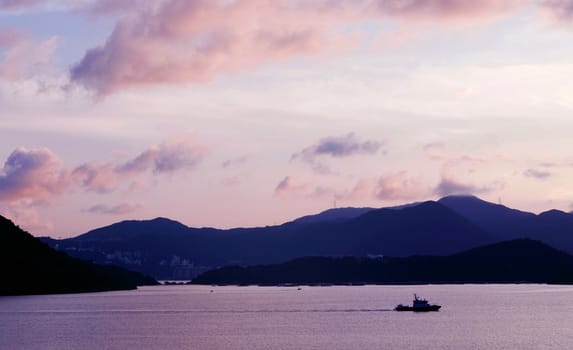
x: 418, y: 305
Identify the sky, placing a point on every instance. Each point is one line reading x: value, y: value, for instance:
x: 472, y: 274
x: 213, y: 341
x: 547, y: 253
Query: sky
x: 234, y: 113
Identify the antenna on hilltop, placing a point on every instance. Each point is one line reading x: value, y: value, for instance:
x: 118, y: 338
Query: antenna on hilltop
x: 499, y: 201
x: 334, y: 204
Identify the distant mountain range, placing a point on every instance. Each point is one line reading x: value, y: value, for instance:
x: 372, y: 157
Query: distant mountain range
x: 167, y: 249
x: 517, y: 261
x: 28, y: 266
x: 553, y: 227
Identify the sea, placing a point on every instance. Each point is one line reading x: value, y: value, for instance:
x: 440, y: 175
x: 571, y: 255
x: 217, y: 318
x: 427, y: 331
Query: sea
x: 518, y: 316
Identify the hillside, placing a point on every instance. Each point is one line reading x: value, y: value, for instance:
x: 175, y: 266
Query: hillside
x: 28, y: 266
x: 514, y: 261
x: 553, y: 227
x: 166, y: 249
x: 333, y: 215
x: 505, y: 222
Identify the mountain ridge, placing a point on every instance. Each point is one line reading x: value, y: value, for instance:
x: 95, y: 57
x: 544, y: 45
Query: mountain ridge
x: 168, y: 249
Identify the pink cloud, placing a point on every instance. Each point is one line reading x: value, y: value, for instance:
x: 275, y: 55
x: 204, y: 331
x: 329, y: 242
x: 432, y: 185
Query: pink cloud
x: 289, y: 187
x: 120, y: 209
x: 39, y: 174
x: 22, y: 55
x: 165, y: 158
x: 192, y: 41
x: 399, y: 186
x: 452, y: 185
x: 396, y: 186
x: 446, y: 9
x: 195, y: 41
x: 437, y: 151
x: 364, y: 189
x: 96, y: 177
x: 35, y: 174
x: 558, y: 10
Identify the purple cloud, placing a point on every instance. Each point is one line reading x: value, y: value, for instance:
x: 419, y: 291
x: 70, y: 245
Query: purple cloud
x: 234, y: 162
x: 120, y: 209
x: 22, y: 56
x: 165, y: 158
x: 559, y: 10
x: 18, y: 4
x: 289, y: 186
x: 100, y: 178
x: 284, y: 186
x: 35, y: 174
x: 343, y: 146
x: 399, y: 186
x: 39, y: 174
x: 336, y: 147
x: 445, y: 9
x: 181, y: 41
x: 538, y: 174
x: 450, y: 185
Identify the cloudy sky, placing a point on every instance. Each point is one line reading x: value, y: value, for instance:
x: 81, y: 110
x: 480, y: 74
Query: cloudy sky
x: 230, y: 113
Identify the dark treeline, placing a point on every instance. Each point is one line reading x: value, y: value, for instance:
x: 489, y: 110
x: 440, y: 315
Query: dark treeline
x: 516, y: 261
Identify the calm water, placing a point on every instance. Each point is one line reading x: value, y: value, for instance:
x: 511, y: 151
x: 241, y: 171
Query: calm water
x: 193, y: 317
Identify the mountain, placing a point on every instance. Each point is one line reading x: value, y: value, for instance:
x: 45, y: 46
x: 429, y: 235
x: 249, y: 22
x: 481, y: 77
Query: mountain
x: 128, y: 230
x: 553, y: 227
x: 333, y: 215
x: 500, y: 220
x: 514, y: 261
x: 28, y: 266
x: 166, y: 249
x: 425, y: 228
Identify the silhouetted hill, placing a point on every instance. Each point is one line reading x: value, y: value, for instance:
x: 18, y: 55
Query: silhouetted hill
x: 553, y: 227
x: 514, y: 261
x: 167, y: 249
x: 332, y: 215
x: 500, y: 220
x: 28, y: 266
x: 425, y: 228
x: 133, y: 229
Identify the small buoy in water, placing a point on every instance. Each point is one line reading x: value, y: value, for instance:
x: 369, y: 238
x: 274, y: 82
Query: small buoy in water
x: 211, y: 291
x: 299, y: 288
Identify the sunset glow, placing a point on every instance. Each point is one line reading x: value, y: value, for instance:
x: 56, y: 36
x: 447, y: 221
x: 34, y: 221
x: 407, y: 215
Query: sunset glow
x: 253, y: 112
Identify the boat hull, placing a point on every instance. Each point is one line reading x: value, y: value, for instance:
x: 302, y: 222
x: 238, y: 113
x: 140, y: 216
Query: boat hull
x: 418, y: 309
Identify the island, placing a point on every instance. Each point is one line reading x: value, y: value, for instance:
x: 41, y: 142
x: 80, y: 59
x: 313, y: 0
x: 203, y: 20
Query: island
x: 28, y: 266
x: 516, y: 261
